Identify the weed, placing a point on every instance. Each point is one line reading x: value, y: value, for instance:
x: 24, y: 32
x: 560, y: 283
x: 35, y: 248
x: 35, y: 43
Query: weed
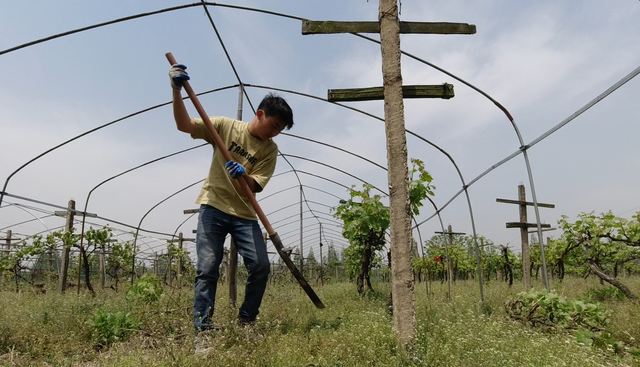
x: 51, y: 329
x: 146, y: 289
x: 109, y: 328
x: 605, y: 294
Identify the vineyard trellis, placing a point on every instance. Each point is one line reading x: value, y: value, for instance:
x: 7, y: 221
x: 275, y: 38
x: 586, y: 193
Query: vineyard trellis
x: 316, y: 214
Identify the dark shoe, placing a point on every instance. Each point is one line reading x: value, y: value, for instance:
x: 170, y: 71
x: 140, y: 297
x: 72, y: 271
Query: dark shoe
x: 246, y: 321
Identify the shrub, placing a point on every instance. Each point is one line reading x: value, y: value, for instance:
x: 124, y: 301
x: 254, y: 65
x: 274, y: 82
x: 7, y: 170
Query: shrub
x: 146, y: 289
x: 111, y: 327
x: 605, y: 294
x: 549, y: 310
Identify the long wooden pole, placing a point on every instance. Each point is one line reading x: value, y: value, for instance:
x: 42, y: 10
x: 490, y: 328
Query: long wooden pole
x: 275, y: 238
x: 301, y: 245
x: 404, y: 317
x: 232, y: 269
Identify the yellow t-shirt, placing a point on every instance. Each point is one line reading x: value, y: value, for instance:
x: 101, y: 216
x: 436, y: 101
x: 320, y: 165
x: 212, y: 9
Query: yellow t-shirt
x: 258, y: 157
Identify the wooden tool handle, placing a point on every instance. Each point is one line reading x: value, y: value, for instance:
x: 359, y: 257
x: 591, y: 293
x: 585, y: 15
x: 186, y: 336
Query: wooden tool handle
x: 223, y: 149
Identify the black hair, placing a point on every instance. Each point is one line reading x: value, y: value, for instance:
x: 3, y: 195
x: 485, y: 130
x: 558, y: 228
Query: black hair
x: 275, y: 106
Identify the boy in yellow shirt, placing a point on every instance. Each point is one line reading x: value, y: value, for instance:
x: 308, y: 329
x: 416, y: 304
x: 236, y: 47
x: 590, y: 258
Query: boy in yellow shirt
x: 223, y: 207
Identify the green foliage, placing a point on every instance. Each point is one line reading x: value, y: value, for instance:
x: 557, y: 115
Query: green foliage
x: 148, y: 289
x: 332, y: 258
x: 584, y: 336
x: 109, y: 328
x: 311, y: 259
x: 602, y: 340
x: 461, y: 252
x: 26, y: 252
x: 365, y: 221
x: 52, y: 329
x: 490, y: 257
x: 605, y: 294
x: 419, y: 187
x: 99, y: 237
x: 604, y: 237
x: 175, y: 253
x: 68, y: 238
x: 604, y: 242
x: 550, y: 310
x: 118, y: 262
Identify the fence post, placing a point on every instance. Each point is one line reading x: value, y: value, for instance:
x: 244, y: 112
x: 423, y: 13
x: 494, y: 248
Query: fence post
x: 64, y: 265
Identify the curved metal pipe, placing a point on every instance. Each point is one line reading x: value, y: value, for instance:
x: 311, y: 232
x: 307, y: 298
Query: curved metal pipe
x: 31, y: 214
x: 135, y: 237
x: 473, y: 222
x: 334, y: 168
x: 298, y: 18
x: 4, y: 188
x: 86, y: 203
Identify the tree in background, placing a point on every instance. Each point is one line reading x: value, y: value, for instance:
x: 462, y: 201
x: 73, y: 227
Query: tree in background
x: 461, y: 252
x: 331, y: 262
x: 96, y: 239
x: 332, y: 258
x: 47, y: 261
x: 507, y: 258
x: 14, y: 263
x: 606, y: 241
x: 490, y: 257
x: 119, y: 261
x: 366, y: 221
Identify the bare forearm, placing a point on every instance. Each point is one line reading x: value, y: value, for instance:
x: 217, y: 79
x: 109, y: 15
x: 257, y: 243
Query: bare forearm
x: 180, y: 114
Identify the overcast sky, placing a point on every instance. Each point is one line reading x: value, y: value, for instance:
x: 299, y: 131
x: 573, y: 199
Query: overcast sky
x: 542, y: 60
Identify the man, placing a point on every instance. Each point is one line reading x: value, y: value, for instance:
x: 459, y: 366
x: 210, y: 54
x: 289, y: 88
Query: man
x: 224, y: 209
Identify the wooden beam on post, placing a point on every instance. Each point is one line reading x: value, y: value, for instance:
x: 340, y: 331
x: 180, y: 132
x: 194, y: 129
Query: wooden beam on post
x: 526, y: 225
x: 524, y: 232
x: 443, y: 91
x: 544, y: 230
x: 528, y: 203
x: 332, y: 27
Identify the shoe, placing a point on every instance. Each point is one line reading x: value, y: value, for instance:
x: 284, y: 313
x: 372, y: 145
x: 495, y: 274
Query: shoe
x: 202, y: 342
x: 246, y: 321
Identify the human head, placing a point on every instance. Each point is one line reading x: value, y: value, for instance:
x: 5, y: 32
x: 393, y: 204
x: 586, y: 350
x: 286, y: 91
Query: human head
x: 276, y: 106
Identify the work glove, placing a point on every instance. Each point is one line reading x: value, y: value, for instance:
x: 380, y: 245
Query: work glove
x: 234, y: 169
x: 178, y: 75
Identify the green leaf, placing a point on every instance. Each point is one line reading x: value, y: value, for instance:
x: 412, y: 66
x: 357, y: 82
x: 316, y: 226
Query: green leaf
x: 584, y: 336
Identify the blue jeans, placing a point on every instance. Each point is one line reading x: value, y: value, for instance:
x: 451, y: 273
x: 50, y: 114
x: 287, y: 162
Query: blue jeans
x: 213, y: 227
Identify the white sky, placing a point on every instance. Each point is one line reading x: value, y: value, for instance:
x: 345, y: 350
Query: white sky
x: 542, y: 60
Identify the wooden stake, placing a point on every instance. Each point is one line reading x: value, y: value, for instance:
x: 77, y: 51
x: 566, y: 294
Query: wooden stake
x: 64, y: 261
x: 448, y: 245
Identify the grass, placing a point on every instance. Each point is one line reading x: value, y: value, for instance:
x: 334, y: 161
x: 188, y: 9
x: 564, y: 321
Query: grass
x: 55, y: 330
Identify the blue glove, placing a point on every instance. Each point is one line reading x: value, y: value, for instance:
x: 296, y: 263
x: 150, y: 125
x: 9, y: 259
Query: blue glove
x: 178, y: 75
x: 234, y: 169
